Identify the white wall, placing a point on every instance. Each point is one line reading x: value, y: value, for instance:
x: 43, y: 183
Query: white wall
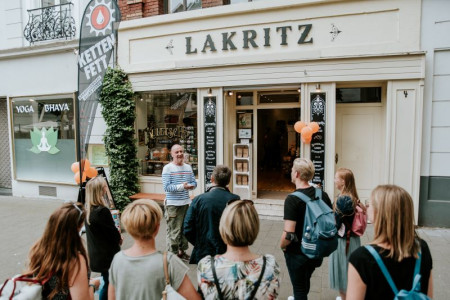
x: 435, y: 41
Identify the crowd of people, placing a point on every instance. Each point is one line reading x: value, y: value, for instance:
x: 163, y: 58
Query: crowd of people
x: 221, y: 227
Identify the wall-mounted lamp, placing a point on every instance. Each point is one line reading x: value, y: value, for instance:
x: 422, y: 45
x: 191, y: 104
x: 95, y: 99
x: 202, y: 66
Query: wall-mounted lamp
x: 209, y: 92
x: 230, y: 93
x: 318, y: 90
x: 299, y: 89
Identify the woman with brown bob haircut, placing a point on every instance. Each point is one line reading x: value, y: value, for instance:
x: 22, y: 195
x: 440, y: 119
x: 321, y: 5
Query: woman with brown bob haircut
x: 391, y: 210
x: 239, y: 273
x: 60, y: 257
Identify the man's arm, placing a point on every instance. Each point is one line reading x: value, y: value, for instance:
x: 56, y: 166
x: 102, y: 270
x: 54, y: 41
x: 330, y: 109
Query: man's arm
x: 189, y: 222
x: 192, y: 180
x: 289, y: 226
x: 167, y: 184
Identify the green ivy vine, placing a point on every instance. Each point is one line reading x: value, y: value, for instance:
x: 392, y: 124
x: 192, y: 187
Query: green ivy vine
x: 118, y: 112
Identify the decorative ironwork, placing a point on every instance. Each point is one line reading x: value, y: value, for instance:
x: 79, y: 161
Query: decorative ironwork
x: 334, y: 32
x: 50, y: 23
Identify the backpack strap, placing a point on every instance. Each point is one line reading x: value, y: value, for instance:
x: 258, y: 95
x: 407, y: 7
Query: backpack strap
x: 302, y: 196
x: 216, y: 280
x: 383, y: 268
x: 256, y: 287
x: 166, y: 269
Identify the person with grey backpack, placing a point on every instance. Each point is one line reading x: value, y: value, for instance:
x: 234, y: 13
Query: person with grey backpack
x: 303, y: 250
x: 397, y: 264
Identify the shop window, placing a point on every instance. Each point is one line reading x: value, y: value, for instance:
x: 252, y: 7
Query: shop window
x: 44, y: 138
x: 175, y: 6
x: 244, y: 98
x: 165, y: 119
x: 241, y: 1
x: 358, y: 95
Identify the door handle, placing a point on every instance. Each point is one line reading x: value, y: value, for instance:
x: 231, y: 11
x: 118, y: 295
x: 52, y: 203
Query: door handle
x: 336, y: 158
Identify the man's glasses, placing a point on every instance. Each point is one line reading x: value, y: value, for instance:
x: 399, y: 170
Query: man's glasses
x: 246, y: 201
x: 79, y: 210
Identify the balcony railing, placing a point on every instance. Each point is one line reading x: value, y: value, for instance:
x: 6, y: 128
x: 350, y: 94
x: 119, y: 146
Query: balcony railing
x: 50, y: 23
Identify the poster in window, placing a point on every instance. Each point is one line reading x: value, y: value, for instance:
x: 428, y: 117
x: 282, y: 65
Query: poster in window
x: 245, y: 121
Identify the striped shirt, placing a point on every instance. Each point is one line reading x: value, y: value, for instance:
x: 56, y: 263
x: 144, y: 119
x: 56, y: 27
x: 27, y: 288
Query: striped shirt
x: 173, y: 177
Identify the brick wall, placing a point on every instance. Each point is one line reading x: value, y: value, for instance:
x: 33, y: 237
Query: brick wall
x: 212, y: 3
x: 136, y: 9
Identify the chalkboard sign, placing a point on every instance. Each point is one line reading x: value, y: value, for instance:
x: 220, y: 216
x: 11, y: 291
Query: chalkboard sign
x: 318, y: 108
x: 210, y: 137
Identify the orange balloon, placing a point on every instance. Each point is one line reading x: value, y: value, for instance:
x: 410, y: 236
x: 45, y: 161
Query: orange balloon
x: 306, y: 140
x: 91, y: 172
x: 77, y: 177
x: 85, y: 164
x: 314, y: 126
x: 306, y: 132
x: 75, y: 167
x: 298, y: 126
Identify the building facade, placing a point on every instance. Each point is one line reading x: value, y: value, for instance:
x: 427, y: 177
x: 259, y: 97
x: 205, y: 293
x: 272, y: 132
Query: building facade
x: 229, y: 83
x: 435, y: 168
x: 38, y: 59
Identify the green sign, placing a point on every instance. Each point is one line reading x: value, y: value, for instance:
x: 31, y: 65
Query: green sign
x: 44, y: 140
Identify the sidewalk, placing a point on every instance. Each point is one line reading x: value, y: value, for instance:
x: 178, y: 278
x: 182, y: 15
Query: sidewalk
x: 22, y: 221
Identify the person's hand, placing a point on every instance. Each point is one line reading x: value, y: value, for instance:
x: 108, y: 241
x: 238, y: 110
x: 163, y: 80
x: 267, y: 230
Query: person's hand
x: 96, y: 282
x: 187, y: 186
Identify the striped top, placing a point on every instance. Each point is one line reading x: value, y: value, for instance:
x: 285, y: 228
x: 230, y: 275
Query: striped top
x: 173, y: 177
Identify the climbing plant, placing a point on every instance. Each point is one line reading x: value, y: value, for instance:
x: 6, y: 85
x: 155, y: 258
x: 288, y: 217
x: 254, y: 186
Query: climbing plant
x: 118, y: 112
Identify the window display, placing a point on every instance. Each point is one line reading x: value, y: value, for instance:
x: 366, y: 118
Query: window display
x: 170, y: 118
x: 44, y: 138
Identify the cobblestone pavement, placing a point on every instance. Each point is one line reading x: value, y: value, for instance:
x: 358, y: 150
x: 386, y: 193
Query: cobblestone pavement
x: 22, y: 221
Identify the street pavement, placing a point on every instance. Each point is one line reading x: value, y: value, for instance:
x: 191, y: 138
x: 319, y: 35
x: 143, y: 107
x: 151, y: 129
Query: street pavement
x: 22, y: 221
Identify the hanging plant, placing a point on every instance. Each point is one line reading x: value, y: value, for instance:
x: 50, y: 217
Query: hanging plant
x: 118, y: 112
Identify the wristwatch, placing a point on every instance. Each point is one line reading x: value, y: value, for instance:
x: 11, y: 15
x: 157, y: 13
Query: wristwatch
x: 291, y: 236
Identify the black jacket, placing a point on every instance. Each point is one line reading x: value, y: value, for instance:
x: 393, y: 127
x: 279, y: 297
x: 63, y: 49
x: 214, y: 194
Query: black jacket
x: 201, y: 224
x: 103, y: 239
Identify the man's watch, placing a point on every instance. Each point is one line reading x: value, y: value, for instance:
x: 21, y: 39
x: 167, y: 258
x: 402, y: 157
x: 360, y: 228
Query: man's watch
x: 291, y: 236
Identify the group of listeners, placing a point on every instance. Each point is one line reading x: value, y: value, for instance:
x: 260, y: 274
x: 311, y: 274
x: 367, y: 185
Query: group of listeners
x: 222, y: 227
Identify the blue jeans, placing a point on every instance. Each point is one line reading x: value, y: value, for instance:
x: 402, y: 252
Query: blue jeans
x: 103, y: 293
x: 300, y: 269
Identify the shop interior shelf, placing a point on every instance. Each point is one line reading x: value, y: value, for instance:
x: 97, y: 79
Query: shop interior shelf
x: 168, y: 161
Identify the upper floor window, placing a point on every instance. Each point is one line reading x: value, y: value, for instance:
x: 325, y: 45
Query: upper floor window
x: 54, y: 20
x: 174, y: 6
x: 241, y: 1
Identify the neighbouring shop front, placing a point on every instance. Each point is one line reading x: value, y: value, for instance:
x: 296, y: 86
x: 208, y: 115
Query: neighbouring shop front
x: 231, y: 93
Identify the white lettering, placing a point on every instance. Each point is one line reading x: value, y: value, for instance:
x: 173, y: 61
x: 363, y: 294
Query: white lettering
x: 24, y: 109
x: 55, y: 107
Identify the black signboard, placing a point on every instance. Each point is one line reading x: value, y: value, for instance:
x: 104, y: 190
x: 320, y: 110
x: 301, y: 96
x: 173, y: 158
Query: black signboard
x: 210, y: 137
x: 318, y: 108
x: 96, y: 53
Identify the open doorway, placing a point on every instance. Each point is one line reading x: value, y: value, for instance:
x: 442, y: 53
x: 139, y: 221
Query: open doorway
x: 277, y: 146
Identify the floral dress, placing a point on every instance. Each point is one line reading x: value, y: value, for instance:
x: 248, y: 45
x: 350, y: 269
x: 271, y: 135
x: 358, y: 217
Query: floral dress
x: 237, y: 279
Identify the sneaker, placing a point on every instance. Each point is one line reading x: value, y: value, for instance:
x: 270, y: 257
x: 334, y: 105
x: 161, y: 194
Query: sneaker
x: 290, y: 298
x: 338, y: 298
x: 184, y: 256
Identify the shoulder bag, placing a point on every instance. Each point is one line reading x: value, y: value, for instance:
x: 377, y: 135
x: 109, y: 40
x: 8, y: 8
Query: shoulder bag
x: 169, y: 293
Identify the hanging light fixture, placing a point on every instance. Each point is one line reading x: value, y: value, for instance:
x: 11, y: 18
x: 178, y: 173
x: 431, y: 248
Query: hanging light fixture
x: 230, y: 93
x: 299, y: 89
x: 209, y: 92
x: 318, y: 90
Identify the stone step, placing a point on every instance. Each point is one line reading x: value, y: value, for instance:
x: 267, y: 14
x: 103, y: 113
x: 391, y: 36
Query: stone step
x: 269, y: 209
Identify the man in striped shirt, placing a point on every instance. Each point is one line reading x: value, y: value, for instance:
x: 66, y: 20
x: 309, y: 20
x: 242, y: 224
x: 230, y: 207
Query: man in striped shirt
x: 178, y: 179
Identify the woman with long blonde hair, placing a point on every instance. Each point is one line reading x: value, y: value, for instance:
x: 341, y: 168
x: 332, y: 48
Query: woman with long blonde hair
x: 59, y: 257
x: 391, y: 210
x: 103, y: 238
x: 344, y: 208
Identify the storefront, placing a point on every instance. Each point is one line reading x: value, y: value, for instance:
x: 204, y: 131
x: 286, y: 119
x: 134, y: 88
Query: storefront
x: 230, y: 82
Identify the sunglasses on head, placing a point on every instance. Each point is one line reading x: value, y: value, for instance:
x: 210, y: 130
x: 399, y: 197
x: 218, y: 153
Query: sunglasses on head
x: 246, y: 201
x: 79, y: 210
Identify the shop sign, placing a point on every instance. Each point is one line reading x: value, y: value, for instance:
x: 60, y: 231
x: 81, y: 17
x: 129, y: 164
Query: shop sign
x: 318, y: 108
x: 229, y: 41
x: 44, y: 140
x: 210, y: 137
x: 21, y: 109
x: 98, y: 36
x: 179, y: 132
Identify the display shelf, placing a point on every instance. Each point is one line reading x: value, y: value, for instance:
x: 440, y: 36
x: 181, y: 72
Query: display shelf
x: 168, y: 161
x: 242, y: 170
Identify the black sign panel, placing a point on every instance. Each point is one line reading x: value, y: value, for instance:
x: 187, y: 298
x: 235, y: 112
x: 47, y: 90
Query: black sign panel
x: 210, y: 137
x: 96, y: 53
x: 318, y: 108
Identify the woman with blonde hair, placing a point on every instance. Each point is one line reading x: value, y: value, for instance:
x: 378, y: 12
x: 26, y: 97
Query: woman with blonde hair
x: 395, y: 240
x: 103, y: 237
x: 344, y: 209
x: 239, y: 273
x: 59, y: 257
x: 138, y: 272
